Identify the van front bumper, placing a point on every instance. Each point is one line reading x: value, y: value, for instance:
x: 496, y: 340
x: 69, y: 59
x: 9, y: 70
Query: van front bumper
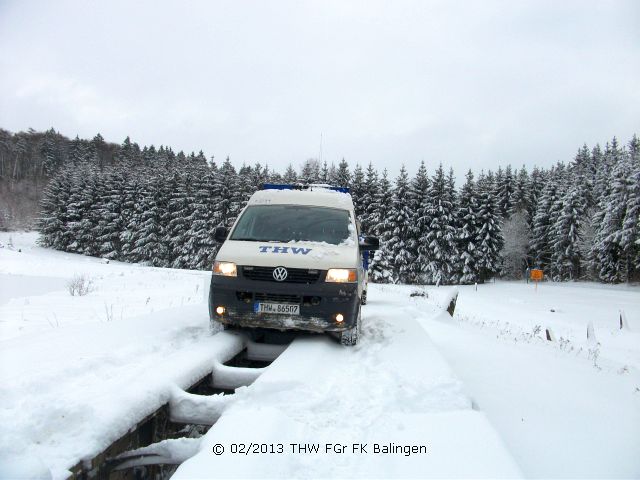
x: 319, y: 302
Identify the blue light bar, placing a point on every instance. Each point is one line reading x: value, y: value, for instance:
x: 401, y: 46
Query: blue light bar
x: 298, y: 186
x: 280, y: 186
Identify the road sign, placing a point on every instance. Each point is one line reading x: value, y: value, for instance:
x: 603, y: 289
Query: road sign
x: 537, y: 274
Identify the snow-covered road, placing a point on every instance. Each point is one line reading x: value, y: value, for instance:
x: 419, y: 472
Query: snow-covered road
x: 393, y: 388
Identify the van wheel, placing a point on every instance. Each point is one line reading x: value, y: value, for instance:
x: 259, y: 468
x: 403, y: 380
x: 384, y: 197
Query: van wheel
x: 363, y: 298
x: 350, y: 337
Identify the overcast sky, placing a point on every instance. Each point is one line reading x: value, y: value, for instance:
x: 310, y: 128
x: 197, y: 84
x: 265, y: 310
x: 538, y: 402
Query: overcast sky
x: 472, y: 84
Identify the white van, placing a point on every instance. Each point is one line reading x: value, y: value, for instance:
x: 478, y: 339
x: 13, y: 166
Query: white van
x: 293, y: 260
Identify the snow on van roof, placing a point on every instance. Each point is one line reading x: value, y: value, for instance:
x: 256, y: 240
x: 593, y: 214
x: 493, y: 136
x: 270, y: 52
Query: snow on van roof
x: 317, y: 197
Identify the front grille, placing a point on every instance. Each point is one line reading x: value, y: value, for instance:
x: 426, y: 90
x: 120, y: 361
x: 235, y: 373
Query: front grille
x: 294, y: 275
x: 277, y: 298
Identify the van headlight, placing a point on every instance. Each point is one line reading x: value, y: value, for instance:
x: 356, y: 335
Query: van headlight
x: 227, y: 269
x: 341, y: 275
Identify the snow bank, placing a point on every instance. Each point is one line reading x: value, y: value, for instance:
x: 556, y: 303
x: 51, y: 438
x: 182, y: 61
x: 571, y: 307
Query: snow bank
x: 197, y: 409
x: 169, y: 452
x: 69, y: 394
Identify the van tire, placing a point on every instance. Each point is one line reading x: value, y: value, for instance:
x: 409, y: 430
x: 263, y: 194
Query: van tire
x: 363, y: 298
x: 350, y: 337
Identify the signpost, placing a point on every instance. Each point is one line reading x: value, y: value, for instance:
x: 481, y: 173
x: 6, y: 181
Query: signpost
x: 537, y: 275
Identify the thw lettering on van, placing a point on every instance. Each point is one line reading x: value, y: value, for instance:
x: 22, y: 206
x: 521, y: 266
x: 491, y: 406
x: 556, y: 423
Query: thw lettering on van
x: 294, y: 250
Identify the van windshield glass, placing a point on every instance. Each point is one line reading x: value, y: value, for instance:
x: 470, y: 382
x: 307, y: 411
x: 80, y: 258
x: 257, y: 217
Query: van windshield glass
x: 292, y: 223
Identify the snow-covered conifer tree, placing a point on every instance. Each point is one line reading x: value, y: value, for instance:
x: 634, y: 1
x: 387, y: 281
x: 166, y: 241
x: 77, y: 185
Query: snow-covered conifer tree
x: 419, y: 225
x: 111, y: 219
x: 381, y: 269
x: 310, y: 172
x: 400, y: 216
x: 547, y: 208
x: 82, y: 212
x: 440, y: 235
x: 148, y: 232
x: 54, y: 211
x: 610, y: 253
x: 78, y: 152
x: 204, y: 218
x: 630, y: 233
x: 370, y: 216
x: 340, y: 177
x: 51, y: 155
x: 180, y: 205
x: 521, y: 195
x: 468, y: 233
x: 227, y: 187
x: 566, y: 257
x: 259, y: 176
x: 490, y: 240
x: 536, y: 185
x: 290, y: 175
x: 131, y: 211
x: 245, y: 185
x: 357, y: 189
x: 583, y: 172
x: 131, y: 155
x: 324, y: 173
x: 505, y: 191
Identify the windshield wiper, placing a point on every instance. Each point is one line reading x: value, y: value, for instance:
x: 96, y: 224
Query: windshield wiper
x: 247, y: 239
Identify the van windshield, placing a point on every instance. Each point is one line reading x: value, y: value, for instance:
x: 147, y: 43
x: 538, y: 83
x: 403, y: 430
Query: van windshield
x: 292, y: 223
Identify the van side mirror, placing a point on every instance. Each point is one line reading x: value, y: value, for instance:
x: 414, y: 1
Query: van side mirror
x: 220, y: 234
x: 369, y: 243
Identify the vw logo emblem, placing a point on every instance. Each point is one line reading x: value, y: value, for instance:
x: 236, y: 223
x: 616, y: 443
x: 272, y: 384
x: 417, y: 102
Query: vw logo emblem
x: 280, y: 274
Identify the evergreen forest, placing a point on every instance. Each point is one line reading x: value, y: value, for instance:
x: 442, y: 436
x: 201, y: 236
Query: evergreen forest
x: 578, y: 220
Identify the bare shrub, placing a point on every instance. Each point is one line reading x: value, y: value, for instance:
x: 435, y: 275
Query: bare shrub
x: 80, y: 285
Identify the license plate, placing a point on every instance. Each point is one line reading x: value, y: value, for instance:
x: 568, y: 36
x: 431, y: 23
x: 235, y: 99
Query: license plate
x: 278, y: 308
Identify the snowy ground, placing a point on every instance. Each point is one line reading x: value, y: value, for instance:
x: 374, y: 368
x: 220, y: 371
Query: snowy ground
x: 569, y: 408
x: 118, y: 290
x: 485, y: 391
